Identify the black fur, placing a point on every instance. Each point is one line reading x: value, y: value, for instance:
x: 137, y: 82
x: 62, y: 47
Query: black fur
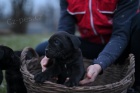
x: 1, y: 76
x: 65, y: 54
x: 10, y: 61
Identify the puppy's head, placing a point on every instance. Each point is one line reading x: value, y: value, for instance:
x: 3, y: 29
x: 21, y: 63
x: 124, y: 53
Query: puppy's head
x: 8, y: 58
x: 62, y: 44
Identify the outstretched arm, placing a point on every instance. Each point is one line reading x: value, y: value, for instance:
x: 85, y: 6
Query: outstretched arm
x: 126, y: 9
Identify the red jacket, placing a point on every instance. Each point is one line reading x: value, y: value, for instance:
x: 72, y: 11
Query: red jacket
x: 100, y: 13
x: 94, y: 18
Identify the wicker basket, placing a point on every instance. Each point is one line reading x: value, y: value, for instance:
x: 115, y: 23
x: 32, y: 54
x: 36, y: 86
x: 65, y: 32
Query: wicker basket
x: 115, y: 79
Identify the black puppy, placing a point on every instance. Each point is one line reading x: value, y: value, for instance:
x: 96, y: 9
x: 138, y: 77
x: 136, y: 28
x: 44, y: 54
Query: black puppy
x: 66, y: 57
x: 10, y: 61
x: 1, y: 76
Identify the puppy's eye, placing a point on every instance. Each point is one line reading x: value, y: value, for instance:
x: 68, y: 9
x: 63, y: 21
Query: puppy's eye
x: 56, y: 42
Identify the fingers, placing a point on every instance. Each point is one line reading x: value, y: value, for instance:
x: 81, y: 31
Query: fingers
x: 88, y: 80
x: 92, y: 73
x: 85, y: 81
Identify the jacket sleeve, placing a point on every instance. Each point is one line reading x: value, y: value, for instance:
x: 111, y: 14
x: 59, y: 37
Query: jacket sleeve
x: 126, y: 9
x: 67, y: 21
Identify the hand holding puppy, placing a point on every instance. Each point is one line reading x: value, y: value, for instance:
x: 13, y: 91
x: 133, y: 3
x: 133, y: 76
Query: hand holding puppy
x: 92, y: 71
x: 65, y: 60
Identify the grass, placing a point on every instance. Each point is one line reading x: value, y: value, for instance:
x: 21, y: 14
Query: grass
x: 18, y: 42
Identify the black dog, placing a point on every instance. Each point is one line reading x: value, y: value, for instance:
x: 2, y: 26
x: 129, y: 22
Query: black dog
x: 10, y: 61
x: 1, y: 76
x: 65, y: 54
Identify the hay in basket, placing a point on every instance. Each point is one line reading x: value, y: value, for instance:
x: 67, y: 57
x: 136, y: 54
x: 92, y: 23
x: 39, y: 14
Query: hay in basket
x: 115, y: 79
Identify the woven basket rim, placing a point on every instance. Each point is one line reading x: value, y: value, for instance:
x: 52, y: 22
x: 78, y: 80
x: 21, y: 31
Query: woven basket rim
x: 122, y: 82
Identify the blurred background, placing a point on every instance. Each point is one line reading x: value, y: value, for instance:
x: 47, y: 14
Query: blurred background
x: 29, y: 16
x: 27, y: 23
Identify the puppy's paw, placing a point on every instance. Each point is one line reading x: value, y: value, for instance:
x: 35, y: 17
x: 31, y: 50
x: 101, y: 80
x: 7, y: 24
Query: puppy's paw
x: 41, y: 77
x: 71, y: 83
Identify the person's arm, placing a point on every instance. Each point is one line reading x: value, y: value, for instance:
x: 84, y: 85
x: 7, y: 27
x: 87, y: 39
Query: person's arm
x: 66, y: 21
x: 126, y: 9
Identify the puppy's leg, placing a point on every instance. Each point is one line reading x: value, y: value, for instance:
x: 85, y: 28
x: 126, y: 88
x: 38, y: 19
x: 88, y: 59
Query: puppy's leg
x: 61, y: 79
x: 9, y: 89
x: 47, y: 74
x: 77, y: 75
x: 43, y: 76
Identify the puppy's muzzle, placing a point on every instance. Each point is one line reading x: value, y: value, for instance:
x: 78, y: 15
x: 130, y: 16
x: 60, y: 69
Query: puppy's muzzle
x: 48, y: 53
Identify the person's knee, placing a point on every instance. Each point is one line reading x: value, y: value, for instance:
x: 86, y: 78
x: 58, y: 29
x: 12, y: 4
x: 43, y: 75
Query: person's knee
x: 136, y: 21
x: 135, y: 45
x: 135, y: 28
x: 40, y: 48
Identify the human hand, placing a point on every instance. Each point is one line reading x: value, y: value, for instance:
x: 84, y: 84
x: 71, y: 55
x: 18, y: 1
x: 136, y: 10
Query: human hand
x: 92, y: 73
x: 43, y: 63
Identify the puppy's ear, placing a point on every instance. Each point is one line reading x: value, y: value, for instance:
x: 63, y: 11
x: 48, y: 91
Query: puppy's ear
x: 1, y: 54
x: 75, y: 41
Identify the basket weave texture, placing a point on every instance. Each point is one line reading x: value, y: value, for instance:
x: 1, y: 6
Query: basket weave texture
x: 115, y: 79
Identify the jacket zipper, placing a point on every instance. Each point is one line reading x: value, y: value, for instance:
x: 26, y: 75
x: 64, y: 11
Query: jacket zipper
x: 91, y: 17
x: 92, y: 22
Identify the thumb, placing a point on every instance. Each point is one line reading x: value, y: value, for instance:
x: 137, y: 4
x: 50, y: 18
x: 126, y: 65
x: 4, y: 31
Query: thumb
x: 90, y: 73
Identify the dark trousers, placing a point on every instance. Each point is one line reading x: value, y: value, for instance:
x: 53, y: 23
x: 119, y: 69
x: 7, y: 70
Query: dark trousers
x: 135, y: 48
x: 91, y: 50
